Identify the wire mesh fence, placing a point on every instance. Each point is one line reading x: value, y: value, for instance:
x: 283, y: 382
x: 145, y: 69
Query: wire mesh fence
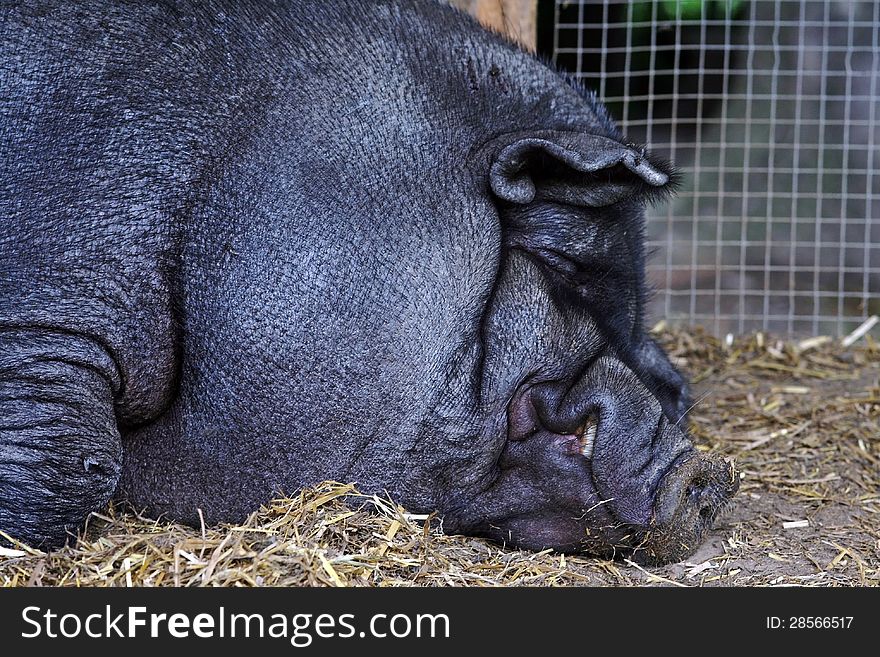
x: 770, y: 110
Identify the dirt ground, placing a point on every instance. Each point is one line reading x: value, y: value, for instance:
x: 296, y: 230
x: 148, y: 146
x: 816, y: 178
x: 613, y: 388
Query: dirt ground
x: 801, y: 419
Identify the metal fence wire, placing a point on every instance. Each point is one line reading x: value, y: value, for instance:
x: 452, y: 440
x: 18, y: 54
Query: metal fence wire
x: 770, y: 110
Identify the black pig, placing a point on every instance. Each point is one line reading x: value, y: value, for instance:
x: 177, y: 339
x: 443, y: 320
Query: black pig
x: 249, y: 246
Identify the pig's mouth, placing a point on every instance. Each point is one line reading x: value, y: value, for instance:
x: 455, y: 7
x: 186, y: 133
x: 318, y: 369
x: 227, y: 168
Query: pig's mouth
x: 654, y: 497
x: 586, y: 434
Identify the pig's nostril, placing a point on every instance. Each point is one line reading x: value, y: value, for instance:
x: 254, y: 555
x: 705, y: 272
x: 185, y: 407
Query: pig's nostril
x: 698, y: 495
x: 696, y: 487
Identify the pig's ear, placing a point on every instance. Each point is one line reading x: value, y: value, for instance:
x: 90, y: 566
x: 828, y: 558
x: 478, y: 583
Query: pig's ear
x: 576, y: 169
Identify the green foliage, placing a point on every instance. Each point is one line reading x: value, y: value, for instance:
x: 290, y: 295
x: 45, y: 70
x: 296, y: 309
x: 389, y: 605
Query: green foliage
x: 685, y: 10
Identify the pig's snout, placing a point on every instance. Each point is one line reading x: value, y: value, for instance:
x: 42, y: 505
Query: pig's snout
x: 694, y: 490
x: 688, y: 499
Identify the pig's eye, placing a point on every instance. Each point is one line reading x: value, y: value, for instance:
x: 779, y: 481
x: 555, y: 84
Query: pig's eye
x: 578, y: 271
x: 559, y: 262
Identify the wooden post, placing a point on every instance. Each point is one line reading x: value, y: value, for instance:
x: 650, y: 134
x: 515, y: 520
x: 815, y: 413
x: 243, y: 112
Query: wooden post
x: 515, y: 18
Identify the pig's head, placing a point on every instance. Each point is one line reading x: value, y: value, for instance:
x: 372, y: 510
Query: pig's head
x: 595, y: 456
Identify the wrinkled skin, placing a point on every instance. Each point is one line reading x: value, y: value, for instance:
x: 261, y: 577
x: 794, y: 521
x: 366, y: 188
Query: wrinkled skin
x: 250, y: 246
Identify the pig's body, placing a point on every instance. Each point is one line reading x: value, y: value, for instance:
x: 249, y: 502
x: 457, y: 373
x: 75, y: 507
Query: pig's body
x: 250, y: 246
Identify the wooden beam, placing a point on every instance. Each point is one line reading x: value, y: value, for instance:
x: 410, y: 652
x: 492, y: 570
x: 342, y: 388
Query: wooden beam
x: 518, y: 19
